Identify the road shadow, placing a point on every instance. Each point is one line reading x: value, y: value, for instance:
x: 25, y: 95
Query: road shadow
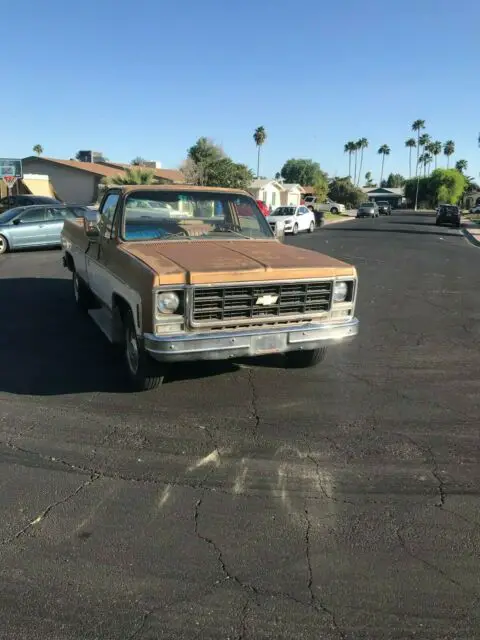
x: 360, y: 229
x: 421, y: 223
x: 48, y: 347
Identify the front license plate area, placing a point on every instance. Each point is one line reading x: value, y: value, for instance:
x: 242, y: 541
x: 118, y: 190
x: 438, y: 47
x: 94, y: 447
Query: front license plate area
x: 269, y: 344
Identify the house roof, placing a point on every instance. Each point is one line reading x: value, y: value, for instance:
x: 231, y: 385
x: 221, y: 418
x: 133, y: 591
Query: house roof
x: 394, y: 191
x: 259, y: 183
x: 107, y: 171
x: 290, y: 186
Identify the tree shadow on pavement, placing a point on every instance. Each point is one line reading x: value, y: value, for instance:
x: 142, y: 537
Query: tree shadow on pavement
x: 48, y: 347
x: 359, y: 229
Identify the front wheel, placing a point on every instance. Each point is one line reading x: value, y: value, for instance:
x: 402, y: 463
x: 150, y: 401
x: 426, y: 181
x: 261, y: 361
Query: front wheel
x: 81, y: 293
x: 305, y: 359
x: 3, y: 245
x: 334, y: 210
x: 143, y: 372
x: 295, y: 229
x: 311, y: 228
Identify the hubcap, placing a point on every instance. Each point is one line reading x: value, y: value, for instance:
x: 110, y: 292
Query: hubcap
x: 2, y: 244
x: 75, y: 286
x: 132, y: 351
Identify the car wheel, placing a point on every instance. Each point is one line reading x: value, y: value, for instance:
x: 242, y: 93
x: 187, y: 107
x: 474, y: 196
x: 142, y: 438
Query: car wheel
x: 334, y: 210
x: 304, y: 359
x: 295, y: 229
x: 311, y: 228
x: 3, y: 245
x: 143, y: 372
x: 81, y: 293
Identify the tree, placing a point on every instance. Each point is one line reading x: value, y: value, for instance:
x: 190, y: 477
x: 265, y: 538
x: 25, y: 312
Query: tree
x: 300, y: 171
x: 260, y: 136
x: 410, y: 144
x: 362, y: 144
x: 349, y: 148
x: 199, y: 156
x: 138, y: 162
x: 320, y: 186
x: 134, y: 175
x: 417, y: 126
x: 368, y: 180
x: 443, y: 185
x: 226, y: 173
x: 356, y: 149
x: 343, y: 191
x: 383, y: 151
x: 435, y: 148
x: 449, y: 150
x: 424, y: 140
x: 394, y: 181
x: 38, y: 149
x: 461, y: 165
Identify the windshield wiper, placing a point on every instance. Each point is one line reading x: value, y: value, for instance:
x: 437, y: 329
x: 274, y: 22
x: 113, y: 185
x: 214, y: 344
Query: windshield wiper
x: 230, y: 230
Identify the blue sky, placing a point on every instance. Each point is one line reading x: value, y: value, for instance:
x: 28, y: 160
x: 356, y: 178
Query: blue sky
x: 148, y: 78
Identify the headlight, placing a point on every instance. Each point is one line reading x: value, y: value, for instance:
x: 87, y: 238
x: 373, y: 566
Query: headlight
x: 340, y: 291
x: 167, y: 302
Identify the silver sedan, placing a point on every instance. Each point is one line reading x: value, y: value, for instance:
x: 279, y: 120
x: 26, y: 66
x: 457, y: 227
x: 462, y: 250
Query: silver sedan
x: 368, y: 210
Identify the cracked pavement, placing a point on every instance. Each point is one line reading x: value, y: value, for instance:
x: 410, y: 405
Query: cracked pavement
x: 244, y: 501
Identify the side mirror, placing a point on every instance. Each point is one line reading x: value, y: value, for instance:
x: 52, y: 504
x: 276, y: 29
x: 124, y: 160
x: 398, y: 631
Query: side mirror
x: 16, y: 221
x: 90, y: 225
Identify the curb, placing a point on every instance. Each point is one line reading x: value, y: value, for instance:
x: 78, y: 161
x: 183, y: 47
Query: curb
x: 342, y: 218
x: 473, y: 238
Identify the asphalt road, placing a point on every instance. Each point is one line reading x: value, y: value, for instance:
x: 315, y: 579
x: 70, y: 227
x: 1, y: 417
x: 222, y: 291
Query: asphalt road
x: 247, y: 501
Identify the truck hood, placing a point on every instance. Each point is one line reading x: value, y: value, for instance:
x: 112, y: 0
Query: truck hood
x: 212, y: 261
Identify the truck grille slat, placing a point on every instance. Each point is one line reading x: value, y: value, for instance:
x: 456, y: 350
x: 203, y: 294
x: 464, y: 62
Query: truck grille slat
x: 212, y: 306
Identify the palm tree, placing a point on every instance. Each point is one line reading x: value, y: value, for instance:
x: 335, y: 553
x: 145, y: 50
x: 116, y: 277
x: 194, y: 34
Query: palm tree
x: 417, y: 126
x: 260, y: 135
x: 410, y: 144
x: 38, y: 149
x: 424, y: 140
x: 449, y: 150
x: 383, y: 151
x: 427, y: 161
x: 461, y: 165
x: 134, y: 175
x: 349, y: 148
x: 435, y: 148
x: 356, y: 149
x: 361, y: 144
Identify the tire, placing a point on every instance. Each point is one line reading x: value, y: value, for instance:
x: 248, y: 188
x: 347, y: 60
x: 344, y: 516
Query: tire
x: 304, y: 359
x: 311, y: 228
x: 334, y: 210
x: 295, y: 229
x: 81, y: 293
x: 3, y: 245
x: 143, y: 372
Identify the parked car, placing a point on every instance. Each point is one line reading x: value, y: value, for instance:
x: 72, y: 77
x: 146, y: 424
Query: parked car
x: 368, y: 210
x: 9, y: 202
x: 295, y: 218
x: 314, y: 204
x: 263, y: 208
x: 448, y: 214
x: 384, y: 208
x: 475, y: 209
x: 35, y: 226
x: 215, y: 287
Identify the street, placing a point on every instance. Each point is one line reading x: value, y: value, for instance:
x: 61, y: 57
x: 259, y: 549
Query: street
x: 242, y: 500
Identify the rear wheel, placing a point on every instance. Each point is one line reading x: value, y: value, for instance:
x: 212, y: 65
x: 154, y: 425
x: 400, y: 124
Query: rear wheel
x: 311, y: 228
x: 304, y: 359
x: 334, y: 210
x: 3, y: 245
x: 143, y: 372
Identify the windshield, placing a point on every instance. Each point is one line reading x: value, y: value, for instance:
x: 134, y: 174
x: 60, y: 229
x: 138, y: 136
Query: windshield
x: 284, y: 211
x: 367, y: 204
x: 10, y: 214
x: 164, y: 215
x: 383, y: 203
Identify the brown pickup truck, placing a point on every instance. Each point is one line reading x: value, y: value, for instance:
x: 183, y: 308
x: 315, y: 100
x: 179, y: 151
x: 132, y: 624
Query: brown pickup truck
x: 176, y: 273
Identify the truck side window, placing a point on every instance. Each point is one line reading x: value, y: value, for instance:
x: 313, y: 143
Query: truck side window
x: 107, y: 215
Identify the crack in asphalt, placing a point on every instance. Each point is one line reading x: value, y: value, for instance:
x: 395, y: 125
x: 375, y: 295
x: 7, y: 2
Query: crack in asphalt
x: 48, y: 509
x: 254, y: 402
x: 141, y: 626
x: 253, y: 591
x: 243, y: 620
x: 318, y: 471
x: 432, y: 460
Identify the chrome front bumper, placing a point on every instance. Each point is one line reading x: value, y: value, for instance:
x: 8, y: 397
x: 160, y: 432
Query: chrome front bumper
x: 223, y: 345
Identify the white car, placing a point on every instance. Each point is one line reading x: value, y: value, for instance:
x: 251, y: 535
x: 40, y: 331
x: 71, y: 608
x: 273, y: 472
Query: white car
x: 315, y: 204
x: 295, y: 219
x: 475, y: 209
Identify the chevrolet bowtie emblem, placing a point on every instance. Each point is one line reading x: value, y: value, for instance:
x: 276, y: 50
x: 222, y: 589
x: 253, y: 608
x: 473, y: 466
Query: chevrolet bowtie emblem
x: 266, y: 301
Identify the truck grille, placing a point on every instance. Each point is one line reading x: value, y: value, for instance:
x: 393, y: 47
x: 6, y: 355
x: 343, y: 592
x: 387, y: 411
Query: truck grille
x: 220, y: 304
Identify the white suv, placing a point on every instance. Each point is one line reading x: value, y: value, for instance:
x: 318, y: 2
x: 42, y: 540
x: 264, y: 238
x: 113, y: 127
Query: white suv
x: 314, y: 204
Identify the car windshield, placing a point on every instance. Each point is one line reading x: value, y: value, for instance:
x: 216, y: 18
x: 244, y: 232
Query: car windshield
x: 10, y: 214
x: 367, y: 204
x: 165, y: 215
x: 383, y: 203
x: 284, y: 211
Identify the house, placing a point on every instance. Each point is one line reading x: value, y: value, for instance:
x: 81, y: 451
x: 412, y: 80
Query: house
x: 269, y: 191
x: 394, y: 196
x: 30, y: 184
x: 292, y: 194
x: 78, y: 182
x: 471, y: 200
